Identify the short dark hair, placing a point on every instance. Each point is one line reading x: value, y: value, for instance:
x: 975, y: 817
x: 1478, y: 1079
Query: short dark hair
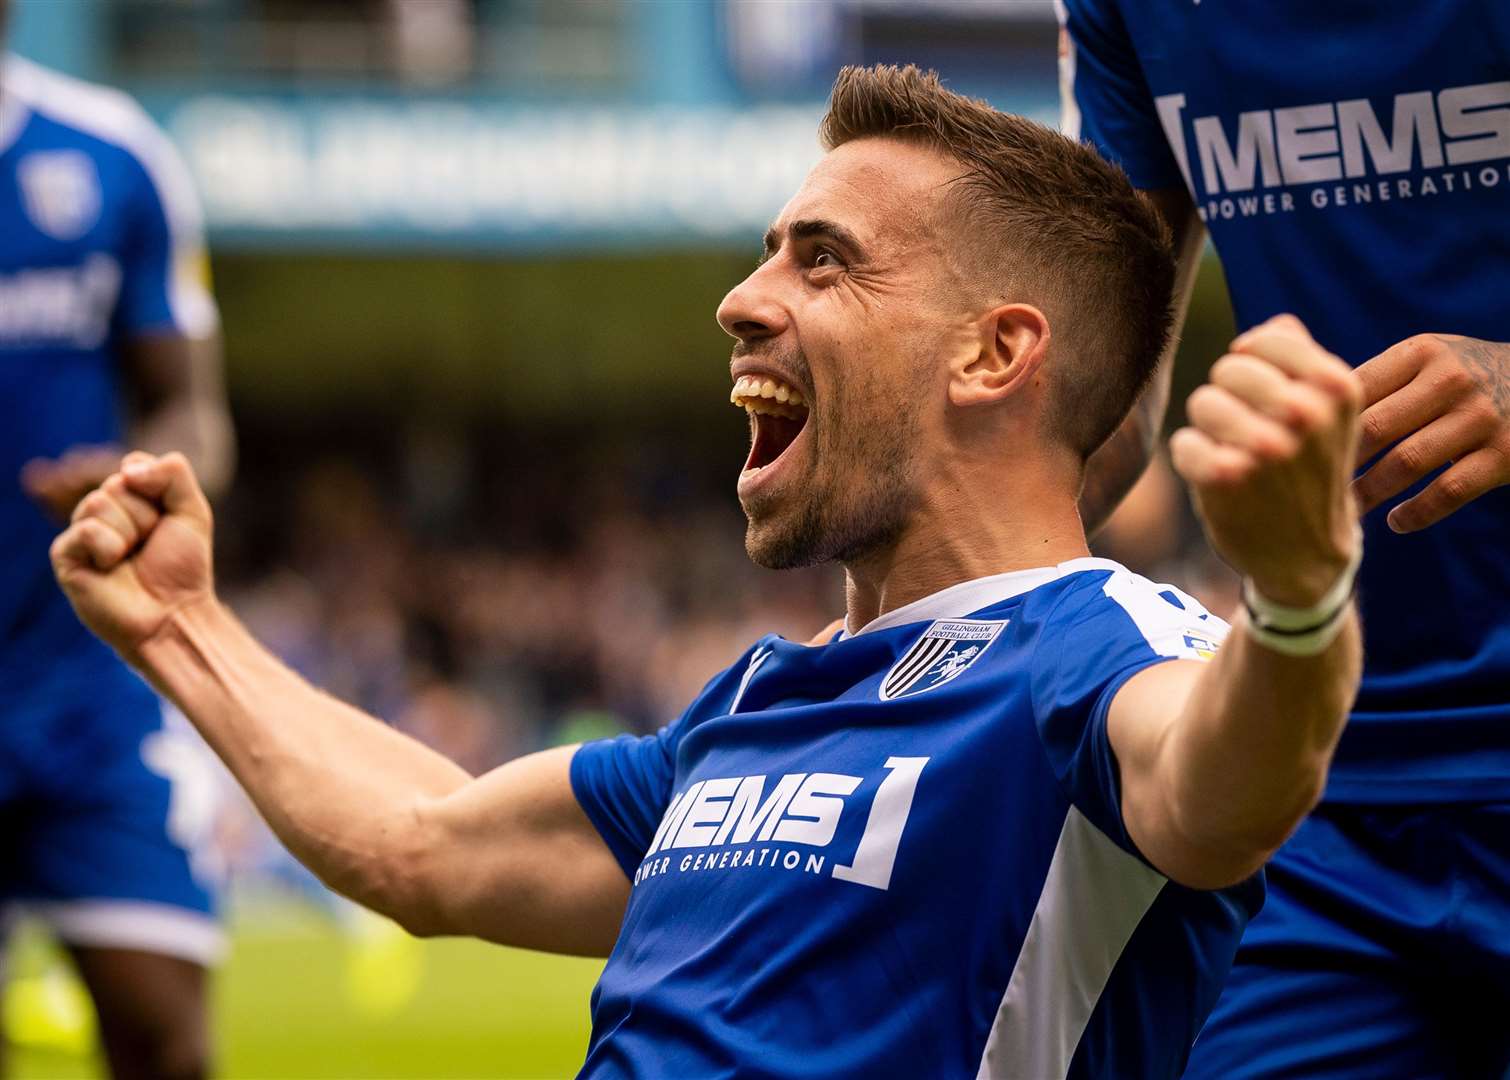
x: 1072, y: 233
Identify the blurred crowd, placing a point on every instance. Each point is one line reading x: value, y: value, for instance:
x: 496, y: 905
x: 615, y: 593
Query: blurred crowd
x: 492, y: 610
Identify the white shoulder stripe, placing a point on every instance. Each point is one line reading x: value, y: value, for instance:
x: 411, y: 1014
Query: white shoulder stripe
x: 1093, y: 899
x: 112, y: 116
x: 1184, y: 629
x: 101, y: 111
x: 13, y: 115
x: 757, y: 658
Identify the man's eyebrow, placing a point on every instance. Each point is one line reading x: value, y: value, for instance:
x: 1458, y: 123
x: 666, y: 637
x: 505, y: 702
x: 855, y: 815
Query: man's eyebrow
x: 814, y: 227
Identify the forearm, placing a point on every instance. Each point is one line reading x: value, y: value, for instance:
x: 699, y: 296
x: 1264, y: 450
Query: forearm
x: 1248, y: 757
x: 343, y: 791
x: 200, y: 431
x: 177, y: 402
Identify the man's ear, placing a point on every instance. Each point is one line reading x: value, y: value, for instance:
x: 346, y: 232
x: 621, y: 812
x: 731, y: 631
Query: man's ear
x: 1014, y: 339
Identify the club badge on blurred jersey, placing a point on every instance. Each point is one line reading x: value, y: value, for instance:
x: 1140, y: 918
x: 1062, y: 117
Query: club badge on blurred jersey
x: 944, y: 652
x: 1202, y: 645
x: 61, y: 192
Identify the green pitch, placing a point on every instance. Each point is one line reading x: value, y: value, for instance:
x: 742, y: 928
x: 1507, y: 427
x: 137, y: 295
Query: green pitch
x: 302, y: 999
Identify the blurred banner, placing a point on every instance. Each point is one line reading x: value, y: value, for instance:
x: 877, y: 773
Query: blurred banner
x: 476, y: 174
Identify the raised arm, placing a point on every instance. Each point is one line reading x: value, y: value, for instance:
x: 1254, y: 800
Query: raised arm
x: 378, y: 816
x: 1112, y: 470
x: 1220, y: 761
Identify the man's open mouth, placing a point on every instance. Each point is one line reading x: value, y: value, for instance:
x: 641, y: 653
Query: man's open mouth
x: 778, y: 411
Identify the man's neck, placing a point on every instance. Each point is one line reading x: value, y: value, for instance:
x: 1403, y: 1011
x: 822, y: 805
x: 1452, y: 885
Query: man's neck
x: 964, y: 532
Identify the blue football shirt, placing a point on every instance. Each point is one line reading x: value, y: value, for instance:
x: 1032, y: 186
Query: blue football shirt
x: 901, y: 853
x: 102, y: 242
x: 1352, y: 163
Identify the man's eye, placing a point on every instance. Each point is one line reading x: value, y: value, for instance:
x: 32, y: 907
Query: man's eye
x: 825, y: 258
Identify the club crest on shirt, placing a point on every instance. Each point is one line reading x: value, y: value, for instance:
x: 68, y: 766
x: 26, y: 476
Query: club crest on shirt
x: 1202, y: 645
x: 61, y: 192
x: 944, y: 652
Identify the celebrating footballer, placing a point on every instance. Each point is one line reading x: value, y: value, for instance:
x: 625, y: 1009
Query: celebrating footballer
x: 1009, y: 819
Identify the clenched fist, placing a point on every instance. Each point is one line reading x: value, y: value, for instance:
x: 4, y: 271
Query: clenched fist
x: 1269, y: 456
x: 137, y: 549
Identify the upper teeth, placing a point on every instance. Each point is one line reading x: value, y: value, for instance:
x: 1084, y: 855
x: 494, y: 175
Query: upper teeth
x: 758, y: 393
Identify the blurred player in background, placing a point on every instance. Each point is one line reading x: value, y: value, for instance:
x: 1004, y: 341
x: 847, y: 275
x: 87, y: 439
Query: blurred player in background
x: 1352, y: 163
x: 1008, y: 819
x: 108, y: 339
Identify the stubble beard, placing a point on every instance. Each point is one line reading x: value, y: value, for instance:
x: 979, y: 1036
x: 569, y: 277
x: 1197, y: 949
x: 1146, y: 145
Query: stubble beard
x: 855, y: 499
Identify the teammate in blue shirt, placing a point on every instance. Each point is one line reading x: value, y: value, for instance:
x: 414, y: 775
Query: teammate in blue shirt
x: 1009, y: 819
x: 1352, y: 163
x: 107, y: 338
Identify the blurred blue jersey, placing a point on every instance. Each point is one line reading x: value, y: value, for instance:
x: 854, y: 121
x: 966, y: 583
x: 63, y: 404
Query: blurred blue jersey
x: 902, y: 853
x: 101, y: 242
x: 1352, y: 162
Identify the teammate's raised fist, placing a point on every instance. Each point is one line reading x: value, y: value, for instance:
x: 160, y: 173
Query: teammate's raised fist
x: 137, y: 549
x: 1269, y: 456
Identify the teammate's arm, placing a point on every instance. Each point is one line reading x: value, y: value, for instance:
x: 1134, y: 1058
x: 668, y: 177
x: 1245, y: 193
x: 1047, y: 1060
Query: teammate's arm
x: 166, y: 331
x: 171, y: 353
x: 1114, y: 468
x: 175, y: 400
x: 1220, y: 761
x: 175, y: 390
x: 377, y: 815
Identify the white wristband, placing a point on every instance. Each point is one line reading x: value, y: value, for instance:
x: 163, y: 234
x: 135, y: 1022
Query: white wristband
x: 1302, y: 631
x: 1307, y: 643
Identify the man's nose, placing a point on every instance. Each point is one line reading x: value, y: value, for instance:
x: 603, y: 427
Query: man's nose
x: 750, y: 311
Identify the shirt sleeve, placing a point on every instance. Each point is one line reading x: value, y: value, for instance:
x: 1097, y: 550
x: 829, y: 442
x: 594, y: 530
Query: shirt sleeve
x: 624, y: 784
x: 165, y: 267
x: 1104, y: 97
x: 1093, y: 642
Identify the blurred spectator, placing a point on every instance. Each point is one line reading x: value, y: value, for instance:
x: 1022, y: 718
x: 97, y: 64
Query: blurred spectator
x: 432, y: 39
x: 608, y: 602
